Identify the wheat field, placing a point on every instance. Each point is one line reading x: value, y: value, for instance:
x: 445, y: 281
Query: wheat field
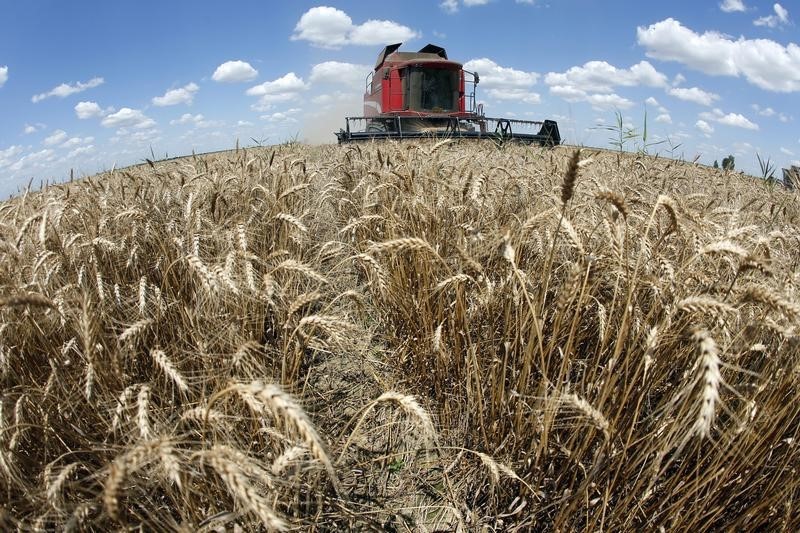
x: 431, y: 336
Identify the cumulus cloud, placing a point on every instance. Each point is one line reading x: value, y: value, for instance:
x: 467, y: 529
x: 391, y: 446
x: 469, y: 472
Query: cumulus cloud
x: 693, y: 94
x: 282, y: 116
x: 609, y: 101
x: 730, y: 6
x: 66, y: 89
x: 186, y: 118
x: 664, y: 118
x: 76, y: 141
x: 328, y: 27
x: 182, y: 95
x: 7, y: 155
x: 495, y: 76
x: 522, y: 95
x: 769, y: 112
x: 197, y: 120
x: 704, y: 127
x: 452, y: 6
x: 33, y: 159
x: 128, y: 118
x: 283, y: 89
x: 81, y: 150
x: 350, y: 74
x: 57, y: 137
x: 234, y: 72
x: 763, y: 62
x: 85, y: 110
x: 32, y: 128
x: 289, y: 83
x: 504, y: 83
x: 449, y: 6
x: 728, y: 119
x: 601, y: 77
x: 594, y: 82
x: 3, y: 75
x: 138, y: 137
x: 780, y: 17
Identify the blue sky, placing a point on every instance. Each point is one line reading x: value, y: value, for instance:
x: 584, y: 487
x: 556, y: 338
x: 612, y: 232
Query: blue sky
x: 91, y: 84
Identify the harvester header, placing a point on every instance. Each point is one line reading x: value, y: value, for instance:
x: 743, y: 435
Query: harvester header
x: 424, y: 94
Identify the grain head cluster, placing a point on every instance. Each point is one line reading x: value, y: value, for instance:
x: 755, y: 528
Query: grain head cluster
x: 401, y: 336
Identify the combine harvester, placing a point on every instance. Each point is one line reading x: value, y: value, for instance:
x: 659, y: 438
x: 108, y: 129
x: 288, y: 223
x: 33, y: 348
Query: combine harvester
x: 410, y: 95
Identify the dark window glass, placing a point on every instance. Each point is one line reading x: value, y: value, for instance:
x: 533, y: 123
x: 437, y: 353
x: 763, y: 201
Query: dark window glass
x: 432, y: 89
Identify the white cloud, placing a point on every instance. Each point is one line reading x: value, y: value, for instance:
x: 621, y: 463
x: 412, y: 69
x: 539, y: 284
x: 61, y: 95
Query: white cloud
x: 76, y: 141
x: 765, y: 112
x: 288, y: 83
x: 522, y: 95
x: 730, y: 119
x: 127, y: 117
x: 763, y: 62
x: 33, y: 128
x: 664, y: 118
x: 651, y: 101
x: 57, y: 137
x: 786, y: 151
x: 449, y: 6
x: 328, y: 27
x: 138, y: 137
x: 504, y: 83
x: 609, y: 101
x: 243, y: 123
x: 82, y: 150
x: 730, y: 6
x: 350, y: 74
x: 85, y: 110
x: 769, y: 112
x: 187, y: 118
x: 452, y: 6
x: 594, y: 82
x: 780, y: 18
x: 283, y: 89
x: 234, y: 72
x: 34, y: 159
x: 335, y: 98
x: 3, y: 75
x: 693, y: 94
x: 602, y: 77
x: 182, y: 95
x: 704, y: 127
x: 495, y: 76
x: 8, y: 154
x: 65, y: 89
x: 374, y: 32
x: 197, y: 120
x: 282, y: 116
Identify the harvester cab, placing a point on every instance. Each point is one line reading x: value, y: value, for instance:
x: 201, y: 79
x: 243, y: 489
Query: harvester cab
x: 424, y: 94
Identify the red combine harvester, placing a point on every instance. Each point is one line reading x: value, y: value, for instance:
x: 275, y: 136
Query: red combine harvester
x: 422, y: 94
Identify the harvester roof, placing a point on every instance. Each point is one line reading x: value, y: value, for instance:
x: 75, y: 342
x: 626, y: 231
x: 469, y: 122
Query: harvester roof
x: 429, y: 52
